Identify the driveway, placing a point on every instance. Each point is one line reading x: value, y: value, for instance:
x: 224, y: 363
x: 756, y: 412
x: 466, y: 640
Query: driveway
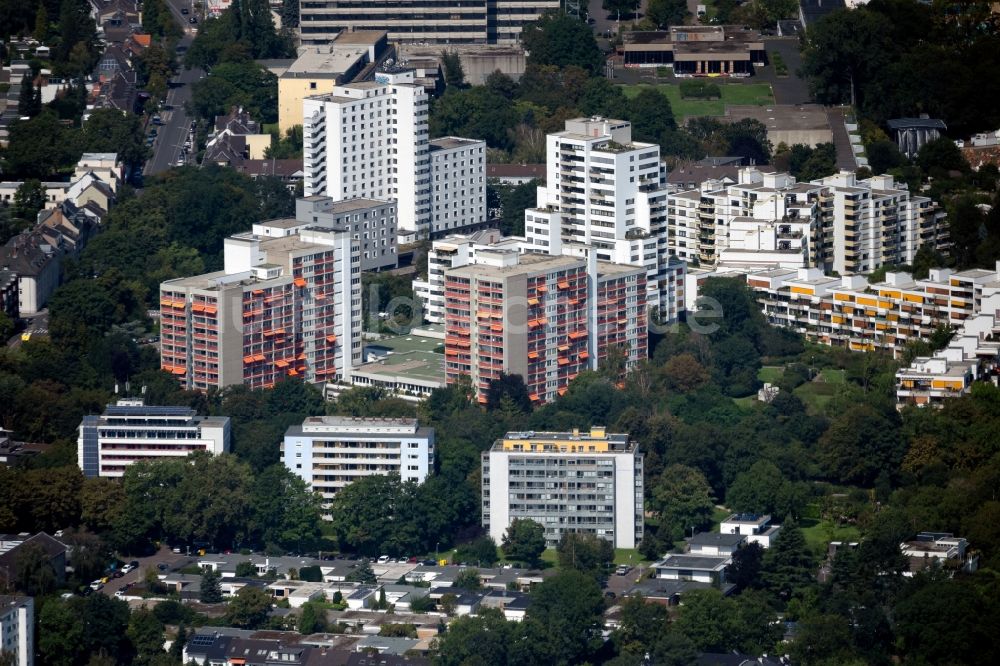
x: 621, y: 584
x: 787, y: 89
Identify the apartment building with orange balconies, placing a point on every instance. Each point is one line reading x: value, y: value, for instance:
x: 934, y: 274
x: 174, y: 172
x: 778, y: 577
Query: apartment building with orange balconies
x: 545, y: 318
x: 284, y: 306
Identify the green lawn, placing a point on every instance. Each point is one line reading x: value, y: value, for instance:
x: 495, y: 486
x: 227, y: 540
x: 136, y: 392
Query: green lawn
x: 833, y: 376
x: 817, y: 394
x: 770, y: 373
x: 820, y: 533
x: 732, y: 93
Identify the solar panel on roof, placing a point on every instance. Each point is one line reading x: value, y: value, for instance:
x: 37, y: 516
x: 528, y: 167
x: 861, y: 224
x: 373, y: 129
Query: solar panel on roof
x: 201, y: 641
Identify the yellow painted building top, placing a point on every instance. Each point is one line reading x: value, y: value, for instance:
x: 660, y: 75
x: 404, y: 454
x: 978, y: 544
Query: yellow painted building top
x: 596, y: 441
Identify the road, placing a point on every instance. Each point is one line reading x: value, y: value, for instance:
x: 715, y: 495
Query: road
x: 37, y: 324
x: 173, y: 132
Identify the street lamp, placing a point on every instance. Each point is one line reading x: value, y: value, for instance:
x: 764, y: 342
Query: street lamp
x: 437, y: 549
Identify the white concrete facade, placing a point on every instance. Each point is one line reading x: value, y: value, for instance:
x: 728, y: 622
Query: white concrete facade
x: 567, y: 482
x: 129, y: 432
x: 458, y: 184
x: 609, y: 192
x: 17, y: 629
x: 370, y: 140
x: 331, y: 452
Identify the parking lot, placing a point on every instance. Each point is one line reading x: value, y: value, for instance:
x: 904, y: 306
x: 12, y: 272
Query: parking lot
x: 172, y: 561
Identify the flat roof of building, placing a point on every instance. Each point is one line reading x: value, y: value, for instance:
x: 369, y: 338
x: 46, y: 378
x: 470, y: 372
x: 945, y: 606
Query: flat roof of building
x: 449, y: 142
x: 782, y: 117
x: 355, y: 421
x: 527, y: 263
x: 695, y: 562
x: 716, y: 539
x: 409, y: 356
x: 346, y: 205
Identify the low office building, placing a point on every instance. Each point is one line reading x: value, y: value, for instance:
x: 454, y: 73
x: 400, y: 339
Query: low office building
x: 130, y: 431
x: 807, y: 124
x: 545, y: 318
x: 331, y: 452
x: 942, y: 549
x: 17, y: 629
x: 912, y: 133
x: 697, y: 50
x: 567, y: 482
x: 283, y: 306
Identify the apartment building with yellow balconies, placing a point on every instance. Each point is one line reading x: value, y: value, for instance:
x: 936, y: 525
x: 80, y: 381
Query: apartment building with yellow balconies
x: 850, y: 312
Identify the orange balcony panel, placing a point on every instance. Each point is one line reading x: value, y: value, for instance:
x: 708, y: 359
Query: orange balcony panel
x: 563, y: 361
x: 299, y: 282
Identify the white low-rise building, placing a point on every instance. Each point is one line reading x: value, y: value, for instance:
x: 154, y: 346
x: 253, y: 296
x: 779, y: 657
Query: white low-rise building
x: 756, y: 528
x: 693, y: 567
x: 130, y: 431
x: 331, y: 452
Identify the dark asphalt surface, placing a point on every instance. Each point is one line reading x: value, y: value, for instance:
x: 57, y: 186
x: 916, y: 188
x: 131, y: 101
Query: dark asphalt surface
x: 173, y: 132
x: 787, y: 89
x: 173, y: 561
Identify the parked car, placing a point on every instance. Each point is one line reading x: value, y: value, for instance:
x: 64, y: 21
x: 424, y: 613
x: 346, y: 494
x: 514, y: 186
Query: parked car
x: 192, y: 20
x: 384, y: 559
x: 184, y: 10
x: 120, y: 593
x: 157, y: 120
x: 622, y: 570
x: 162, y: 566
x: 118, y: 574
x: 127, y: 568
x: 96, y: 585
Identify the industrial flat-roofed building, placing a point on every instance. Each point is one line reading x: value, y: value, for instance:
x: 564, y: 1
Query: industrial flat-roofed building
x: 702, y: 50
x: 567, y: 482
x: 331, y: 452
x: 130, y: 431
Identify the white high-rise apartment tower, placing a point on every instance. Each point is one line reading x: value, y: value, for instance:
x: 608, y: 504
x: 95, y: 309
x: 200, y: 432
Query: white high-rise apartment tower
x: 369, y: 139
x: 608, y: 192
